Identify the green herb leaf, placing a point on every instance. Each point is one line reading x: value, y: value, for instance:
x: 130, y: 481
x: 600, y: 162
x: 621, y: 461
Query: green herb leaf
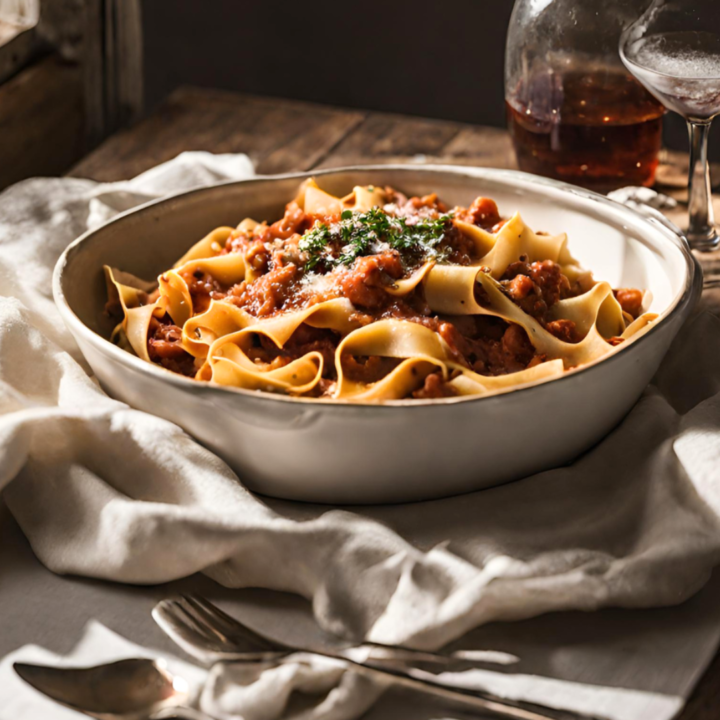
x: 359, y: 234
x: 314, y: 242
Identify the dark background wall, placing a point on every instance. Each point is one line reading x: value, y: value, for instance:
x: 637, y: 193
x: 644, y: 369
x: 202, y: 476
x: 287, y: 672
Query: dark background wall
x: 440, y: 59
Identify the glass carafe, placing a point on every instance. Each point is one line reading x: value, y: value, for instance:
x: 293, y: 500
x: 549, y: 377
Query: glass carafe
x: 574, y: 112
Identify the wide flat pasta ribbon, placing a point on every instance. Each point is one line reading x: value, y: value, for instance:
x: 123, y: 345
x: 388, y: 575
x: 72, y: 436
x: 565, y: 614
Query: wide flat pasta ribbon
x: 210, y: 246
x: 513, y: 241
x: 219, y: 320
x: 590, y: 348
x: 468, y: 382
x: 228, y: 363
x: 176, y: 294
x: 405, y: 286
x: 132, y: 294
x: 231, y: 367
x: 597, y: 306
x: 421, y: 350
x: 227, y: 269
x: 315, y: 201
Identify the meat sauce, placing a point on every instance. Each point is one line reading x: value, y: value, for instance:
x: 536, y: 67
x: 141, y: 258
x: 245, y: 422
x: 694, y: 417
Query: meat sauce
x: 281, y: 283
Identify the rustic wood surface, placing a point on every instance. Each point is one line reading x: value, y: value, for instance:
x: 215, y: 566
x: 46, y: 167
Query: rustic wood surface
x: 17, y: 46
x: 285, y: 136
x: 41, y: 121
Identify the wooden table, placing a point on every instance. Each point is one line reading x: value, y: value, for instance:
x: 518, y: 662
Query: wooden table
x: 285, y: 136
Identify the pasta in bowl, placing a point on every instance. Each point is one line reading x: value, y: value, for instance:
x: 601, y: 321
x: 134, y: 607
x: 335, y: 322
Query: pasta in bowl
x: 373, y: 297
x: 309, y: 446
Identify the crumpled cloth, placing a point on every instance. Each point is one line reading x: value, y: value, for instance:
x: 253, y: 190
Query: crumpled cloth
x: 105, y: 491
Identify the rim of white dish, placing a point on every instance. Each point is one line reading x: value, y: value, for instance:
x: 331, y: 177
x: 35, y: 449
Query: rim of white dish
x: 659, y: 226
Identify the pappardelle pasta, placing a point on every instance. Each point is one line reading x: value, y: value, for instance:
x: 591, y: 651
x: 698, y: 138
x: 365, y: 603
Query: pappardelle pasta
x: 375, y: 297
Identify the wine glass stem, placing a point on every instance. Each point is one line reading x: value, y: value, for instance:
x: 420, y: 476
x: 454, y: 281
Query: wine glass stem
x: 701, y: 232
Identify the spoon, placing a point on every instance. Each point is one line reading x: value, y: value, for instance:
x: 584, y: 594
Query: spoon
x: 134, y: 689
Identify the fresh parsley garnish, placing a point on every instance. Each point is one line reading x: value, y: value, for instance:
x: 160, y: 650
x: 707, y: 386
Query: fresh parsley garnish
x: 365, y: 233
x: 314, y: 242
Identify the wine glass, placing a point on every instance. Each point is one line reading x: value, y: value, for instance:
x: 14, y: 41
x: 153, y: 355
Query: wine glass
x: 673, y: 49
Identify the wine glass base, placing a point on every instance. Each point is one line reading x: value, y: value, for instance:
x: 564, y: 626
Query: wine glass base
x: 704, y: 242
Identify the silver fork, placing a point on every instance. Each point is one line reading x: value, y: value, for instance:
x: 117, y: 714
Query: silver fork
x: 210, y: 635
x: 204, y: 639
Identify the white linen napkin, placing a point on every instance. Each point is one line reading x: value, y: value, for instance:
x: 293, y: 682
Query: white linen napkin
x: 105, y: 491
x: 304, y: 687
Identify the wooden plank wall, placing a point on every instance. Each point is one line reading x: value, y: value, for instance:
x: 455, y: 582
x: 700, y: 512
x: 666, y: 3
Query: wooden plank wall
x: 41, y: 120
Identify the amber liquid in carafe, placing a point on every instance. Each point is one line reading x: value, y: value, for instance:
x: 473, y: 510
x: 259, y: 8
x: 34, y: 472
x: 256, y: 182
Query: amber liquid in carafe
x: 601, y: 130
